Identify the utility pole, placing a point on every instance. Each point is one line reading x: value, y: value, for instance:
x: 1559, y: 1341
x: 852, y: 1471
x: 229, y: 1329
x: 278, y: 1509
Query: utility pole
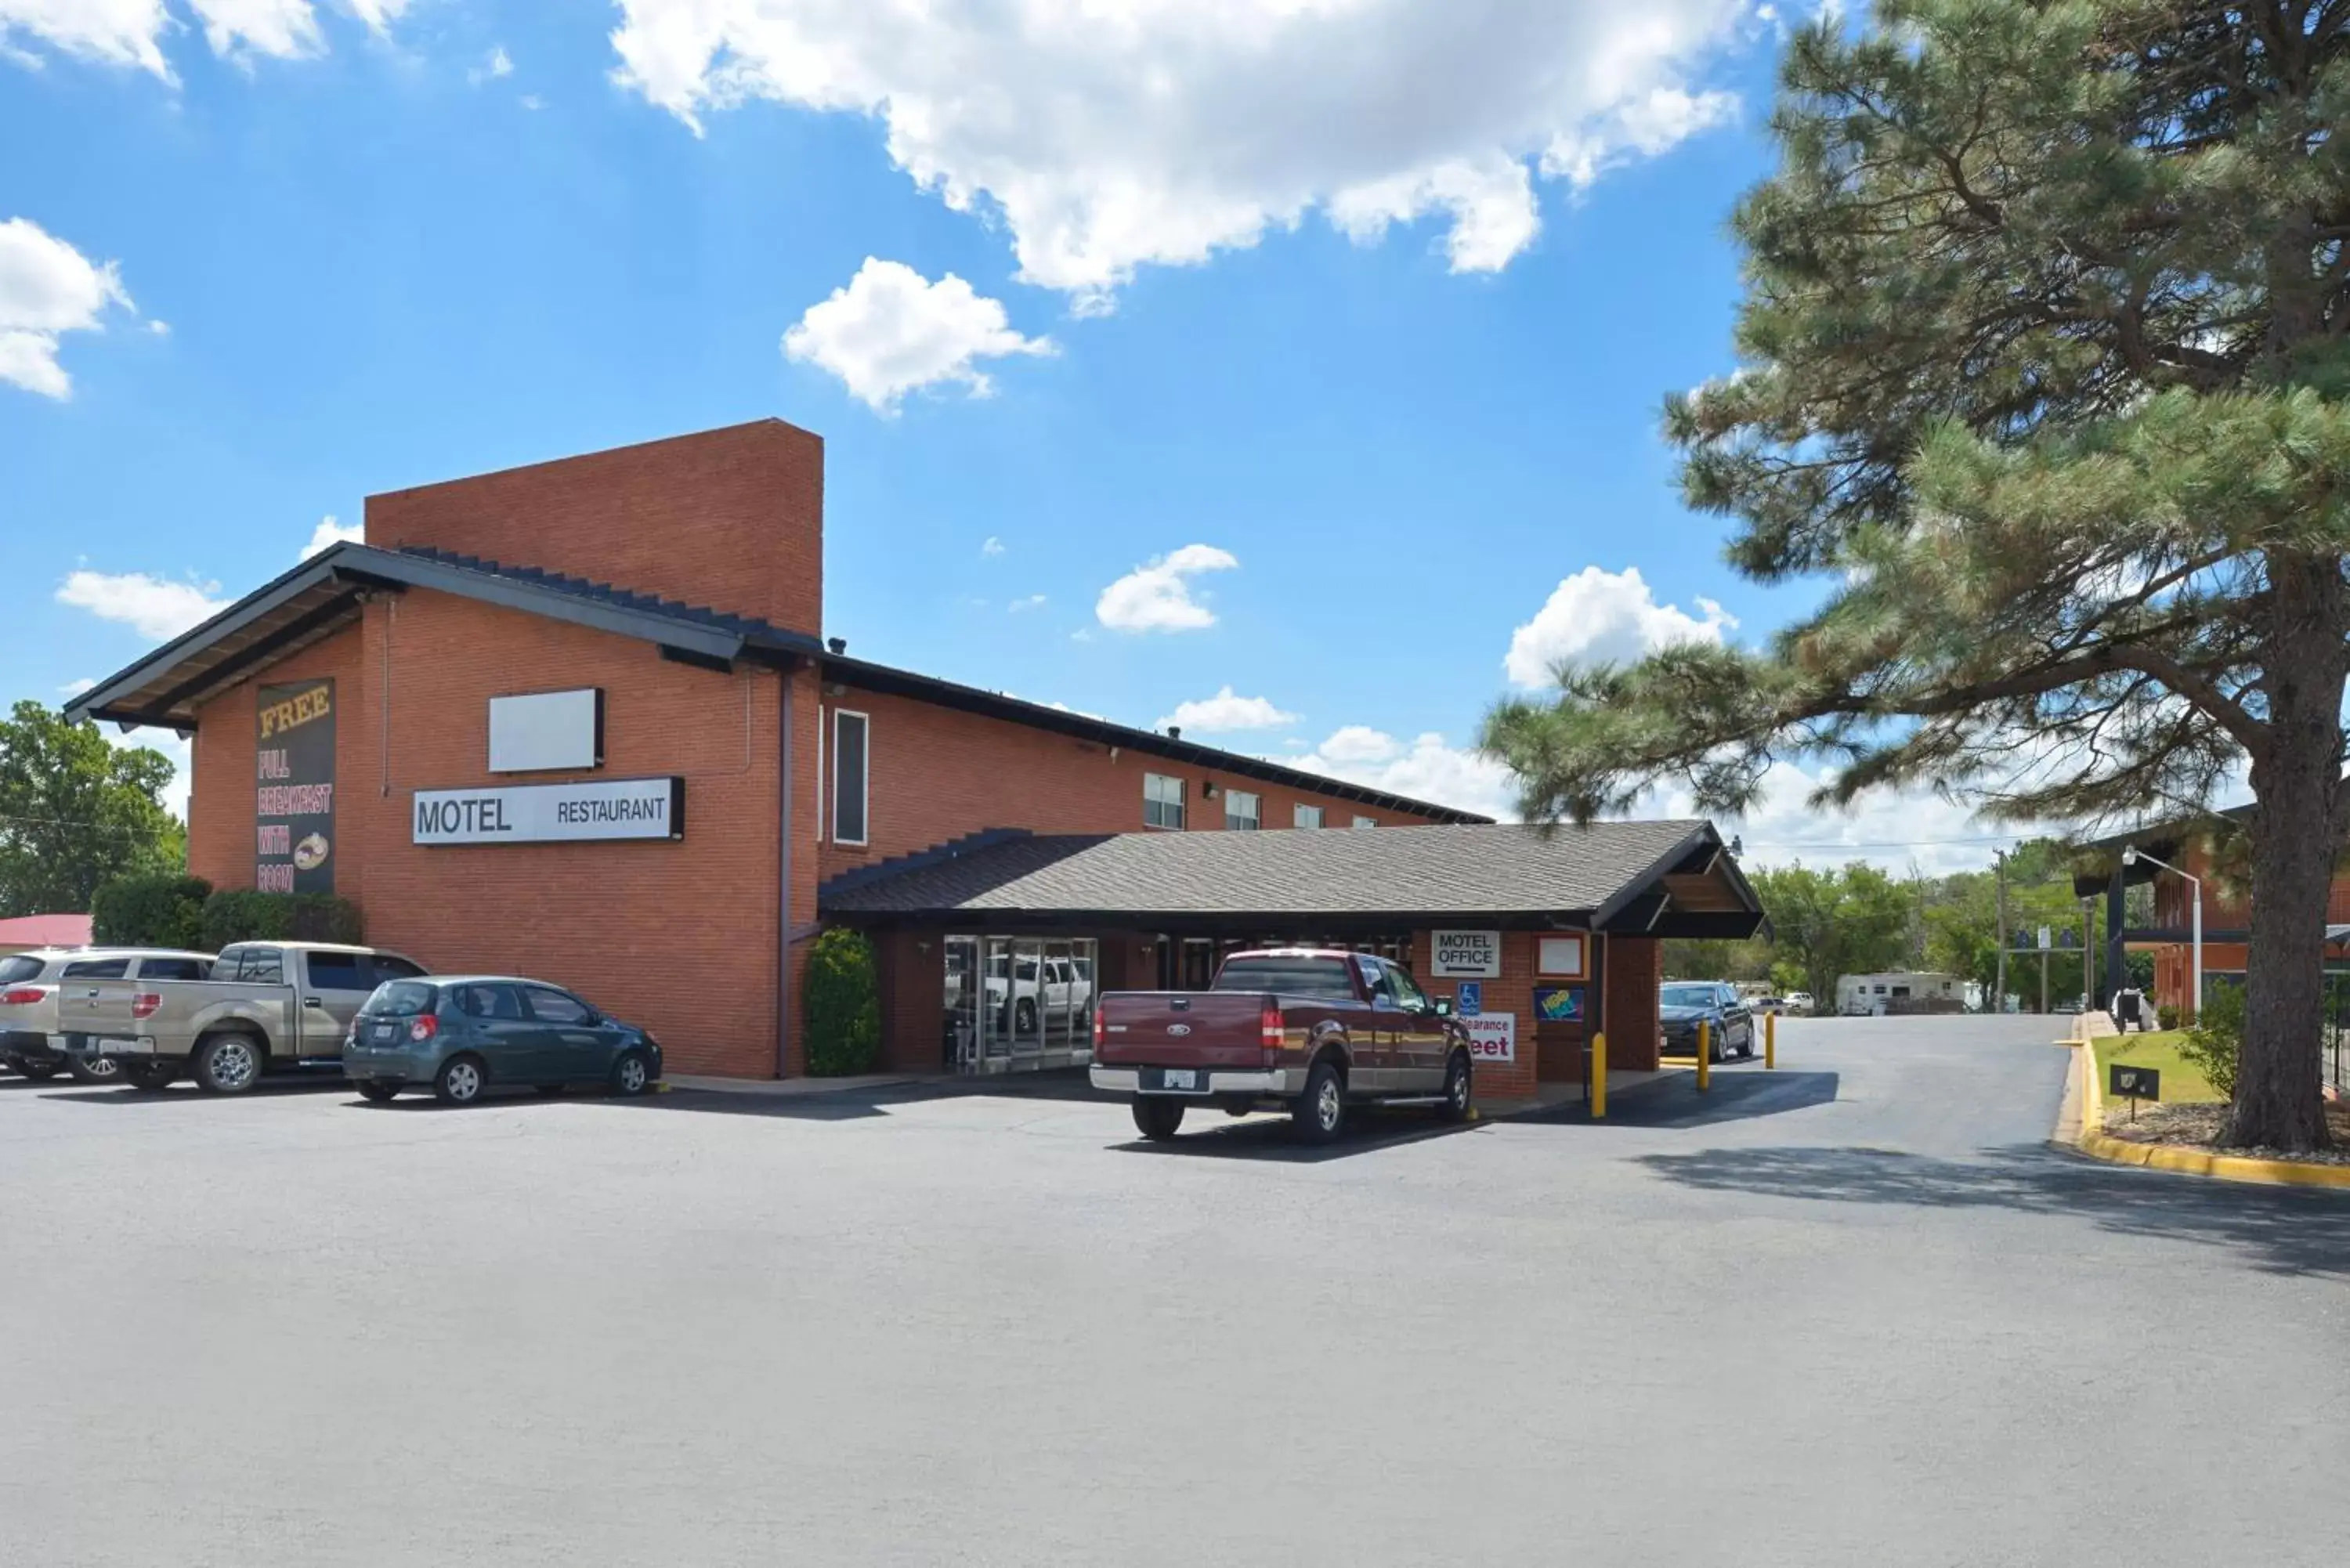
x: 1999, y: 865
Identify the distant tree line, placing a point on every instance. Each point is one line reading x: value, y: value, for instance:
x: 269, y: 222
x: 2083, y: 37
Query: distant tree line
x: 1859, y: 919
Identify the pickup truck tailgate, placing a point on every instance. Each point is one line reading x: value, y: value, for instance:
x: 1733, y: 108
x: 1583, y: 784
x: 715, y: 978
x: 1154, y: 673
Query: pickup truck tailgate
x: 1182, y: 1029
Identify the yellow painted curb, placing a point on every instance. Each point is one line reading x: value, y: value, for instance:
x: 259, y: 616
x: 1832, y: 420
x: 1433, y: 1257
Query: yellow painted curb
x: 2094, y: 1142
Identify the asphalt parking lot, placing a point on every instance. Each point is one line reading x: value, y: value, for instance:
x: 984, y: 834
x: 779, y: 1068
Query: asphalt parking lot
x: 1853, y: 1312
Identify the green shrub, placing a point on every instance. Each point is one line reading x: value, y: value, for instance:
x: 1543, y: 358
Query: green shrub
x: 843, y: 994
x: 240, y: 915
x: 159, y: 911
x: 2215, y: 1037
x: 2167, y: 1017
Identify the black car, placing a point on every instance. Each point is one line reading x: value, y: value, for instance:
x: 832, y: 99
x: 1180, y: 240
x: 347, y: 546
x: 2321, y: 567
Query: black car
x: 1681, y: 1005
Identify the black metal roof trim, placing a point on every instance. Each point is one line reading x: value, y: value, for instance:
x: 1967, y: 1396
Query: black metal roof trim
x: 890, y: 680
x: 749, y: 629
x: 710, y: 636
x: 857, y: 877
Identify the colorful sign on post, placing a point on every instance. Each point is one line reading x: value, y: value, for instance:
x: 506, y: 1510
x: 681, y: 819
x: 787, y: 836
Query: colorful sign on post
x: 1471, y: 998
x: 1494, y: 1037
x: 1559, y: 1003
x: 1477, y: 954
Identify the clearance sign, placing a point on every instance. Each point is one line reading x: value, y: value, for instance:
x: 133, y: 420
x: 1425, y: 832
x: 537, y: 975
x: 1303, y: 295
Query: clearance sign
x: 293, y: 793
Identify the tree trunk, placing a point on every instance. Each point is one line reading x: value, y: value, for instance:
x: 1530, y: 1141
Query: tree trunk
x: 2296, y: 829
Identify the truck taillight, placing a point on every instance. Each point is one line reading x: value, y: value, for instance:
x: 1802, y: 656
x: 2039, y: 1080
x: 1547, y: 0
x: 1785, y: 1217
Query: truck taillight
x: 423, y: 1029
x: 144, y: 1005
x: 22, y: 996
x: 1100, y: 1033
x: 1269, y: 1031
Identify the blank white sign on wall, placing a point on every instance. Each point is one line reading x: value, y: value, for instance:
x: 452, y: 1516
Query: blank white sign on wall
x: 546, y: 731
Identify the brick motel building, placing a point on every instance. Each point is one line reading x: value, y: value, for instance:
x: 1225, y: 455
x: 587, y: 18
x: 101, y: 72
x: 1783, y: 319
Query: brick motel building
x: 579, y: 721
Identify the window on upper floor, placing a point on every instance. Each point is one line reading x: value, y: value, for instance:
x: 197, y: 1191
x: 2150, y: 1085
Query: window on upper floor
x: 1243, y: 810
x: 851, y: 735
x: 1367, y: 821
x: 1308, y: 817
x: 1163, y: 801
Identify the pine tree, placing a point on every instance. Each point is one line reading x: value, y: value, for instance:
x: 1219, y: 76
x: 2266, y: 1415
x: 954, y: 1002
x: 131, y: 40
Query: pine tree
x: 2044, y: 353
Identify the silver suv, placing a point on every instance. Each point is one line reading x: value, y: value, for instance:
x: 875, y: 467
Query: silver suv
x: 47, y: 992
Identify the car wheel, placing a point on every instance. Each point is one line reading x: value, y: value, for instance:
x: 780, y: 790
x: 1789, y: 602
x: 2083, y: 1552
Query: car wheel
x: 228, y: 1064
x: 94, y: 1069
x: 1157, y: 1120
x: 461, y: 1080
x: 149, y: 1075
x: 1458, y: 1088
x: 376, y: 1092
x: 39, y: 1072
x: 1024, y: 1019
x: 1320, y: 1113
x: 631, y: 1075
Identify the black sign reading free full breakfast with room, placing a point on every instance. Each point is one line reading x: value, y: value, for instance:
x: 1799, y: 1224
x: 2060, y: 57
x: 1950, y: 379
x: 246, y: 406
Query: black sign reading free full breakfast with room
x: 294, y: 788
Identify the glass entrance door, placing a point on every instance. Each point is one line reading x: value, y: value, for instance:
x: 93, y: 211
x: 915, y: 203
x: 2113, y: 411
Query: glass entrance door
x: 1032, y: 1006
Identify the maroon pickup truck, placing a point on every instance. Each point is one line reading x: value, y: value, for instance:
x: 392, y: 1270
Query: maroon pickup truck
x: 1310, y: 1031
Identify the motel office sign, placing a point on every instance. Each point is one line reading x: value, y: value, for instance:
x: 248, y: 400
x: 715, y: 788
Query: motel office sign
x: 553, y: 814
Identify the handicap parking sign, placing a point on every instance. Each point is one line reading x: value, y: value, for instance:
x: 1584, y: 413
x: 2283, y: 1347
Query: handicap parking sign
x: 1472, y: 998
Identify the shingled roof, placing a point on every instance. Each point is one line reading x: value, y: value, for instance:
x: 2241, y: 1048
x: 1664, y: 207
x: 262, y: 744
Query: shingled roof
x: 1666, y: 878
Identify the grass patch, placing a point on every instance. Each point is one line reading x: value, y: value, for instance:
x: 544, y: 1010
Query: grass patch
x: 2182, y: 1083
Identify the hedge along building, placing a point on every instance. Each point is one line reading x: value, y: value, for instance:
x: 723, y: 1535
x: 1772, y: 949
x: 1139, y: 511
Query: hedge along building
x: 579, y: 721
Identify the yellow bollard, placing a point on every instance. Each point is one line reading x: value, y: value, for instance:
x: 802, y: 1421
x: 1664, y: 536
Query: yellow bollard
x: 1598, y: 1076
x: 1770, y: 1040
x: 1705, y: 1054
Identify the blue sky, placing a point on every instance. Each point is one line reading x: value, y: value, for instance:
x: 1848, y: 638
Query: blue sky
x: 1389, y: 335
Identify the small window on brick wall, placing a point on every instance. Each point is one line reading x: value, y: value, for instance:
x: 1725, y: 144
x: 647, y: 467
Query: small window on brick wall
x: 1308, y: 817
x: 1163, y: 801
x: 1243, y: 810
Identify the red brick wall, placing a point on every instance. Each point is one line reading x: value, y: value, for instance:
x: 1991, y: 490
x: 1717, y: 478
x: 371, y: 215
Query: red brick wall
x: 731, y: 519
x: 938, y: 774
x: 1511, y: 991
x: 1635, y: 967
x: 679, y: 936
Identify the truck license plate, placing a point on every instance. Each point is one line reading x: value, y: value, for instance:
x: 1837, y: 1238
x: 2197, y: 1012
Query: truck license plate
x: 1179, y: 1078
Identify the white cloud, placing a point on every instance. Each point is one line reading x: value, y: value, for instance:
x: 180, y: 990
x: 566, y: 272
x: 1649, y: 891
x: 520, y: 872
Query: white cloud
x: 1425, y: 769
x: 1892, y: 829
x: 1110, y: 136
x: 1640, y: 128
x: 156, y: 607
x: 130, y: 33
x: 111, y: 32
x: 890, y: 330
x: 498, y: 64
x: 991, y: 546
x: 281, y: 29
x: 1226, y: 711
x: 76, y: 688
x: 1595, y: 616
x: 1360, y: 744
x: 1021, y: 605
x: 329, y: 532
x: 48, y: 288
x: 160, y: 327
x: 531, y: 101
x: 1157, y: 597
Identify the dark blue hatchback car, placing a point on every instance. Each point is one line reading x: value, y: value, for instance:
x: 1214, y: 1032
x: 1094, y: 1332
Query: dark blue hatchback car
x: 460, y: 1033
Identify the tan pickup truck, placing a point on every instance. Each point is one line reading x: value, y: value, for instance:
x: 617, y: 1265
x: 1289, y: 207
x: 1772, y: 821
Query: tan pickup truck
x: 269, y: 1007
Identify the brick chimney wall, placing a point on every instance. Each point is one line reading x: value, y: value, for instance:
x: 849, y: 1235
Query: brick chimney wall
x: 730, y: 519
